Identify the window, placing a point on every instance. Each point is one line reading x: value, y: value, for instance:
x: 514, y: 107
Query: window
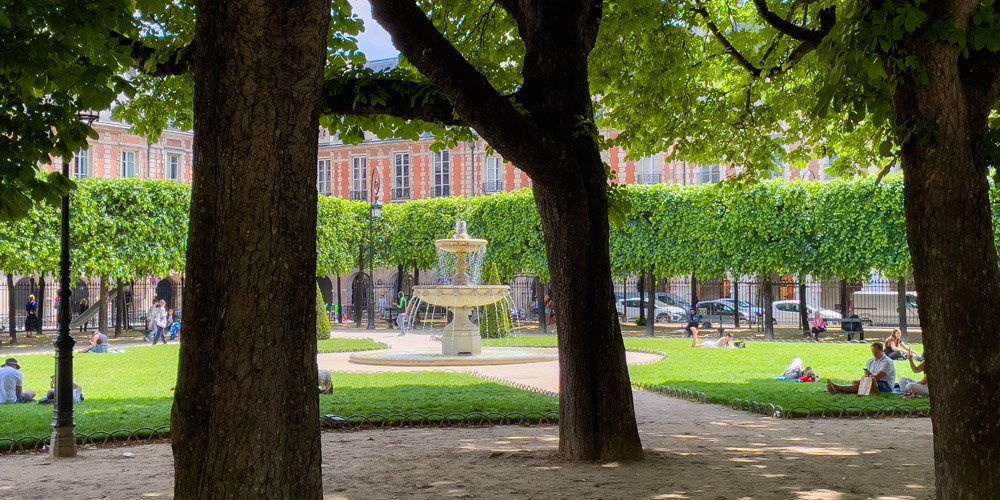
x: 649, y: 170
x: 81, y: 167
x: 442, y: 173
x: 128, y: 164
x: 494, y: 173
x: 788, y: 307
x: 359, y: 178
x: 711, y: 173
x: 174, y: 167
x: 323, y: 177
x: 401, y: 177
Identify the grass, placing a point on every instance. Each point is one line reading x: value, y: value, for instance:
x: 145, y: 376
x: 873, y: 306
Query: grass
x: 726, y: 375
x: 349, y: 345
x: 132, y: 391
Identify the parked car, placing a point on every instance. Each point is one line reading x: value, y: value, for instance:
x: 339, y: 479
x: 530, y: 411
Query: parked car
x: 717, y: 311
x: 629, y: 309
x: 674, y: 300
x: 882, y: 308
x: 753, y: 312
x: 786, y: 312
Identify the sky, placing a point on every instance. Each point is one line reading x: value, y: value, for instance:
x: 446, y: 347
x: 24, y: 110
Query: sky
x: 374, y: 41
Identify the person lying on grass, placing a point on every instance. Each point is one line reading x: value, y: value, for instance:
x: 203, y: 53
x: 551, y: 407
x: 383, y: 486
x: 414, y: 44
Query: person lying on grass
x: 880, y: 367
x: 726, y: 342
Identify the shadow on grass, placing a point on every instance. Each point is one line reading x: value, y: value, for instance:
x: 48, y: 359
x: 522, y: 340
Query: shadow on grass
x: 478, y: 403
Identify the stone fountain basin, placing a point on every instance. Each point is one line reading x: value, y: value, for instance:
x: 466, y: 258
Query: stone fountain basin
x: 460, y: 245
x: 460, y: 295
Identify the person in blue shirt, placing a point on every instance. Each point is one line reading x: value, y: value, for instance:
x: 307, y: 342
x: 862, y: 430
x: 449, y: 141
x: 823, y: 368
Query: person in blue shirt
x: 694, y: 321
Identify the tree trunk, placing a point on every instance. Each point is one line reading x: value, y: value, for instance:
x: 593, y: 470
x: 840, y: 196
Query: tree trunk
x: 767, y: 296
x: 245, y: 421
x: 41, y: 304
x: 102, y: 313
x: 844, y: 312
x: 12, y: 308
x: 901, y: 308
x: 651, y: 306
x: 950, y: 233
x: 596, y: 414
x: 736, y: 303
x: 119, y: 301
x: 694, y: 290
x: 803, y: 308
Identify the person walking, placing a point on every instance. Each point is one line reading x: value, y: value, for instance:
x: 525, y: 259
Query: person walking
x: 31, y: 321
x: 158, y: 319
x: 401, y: 318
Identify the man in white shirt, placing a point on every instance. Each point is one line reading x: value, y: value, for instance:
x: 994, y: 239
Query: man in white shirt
x: 12, y: 384
x: 880, y: 366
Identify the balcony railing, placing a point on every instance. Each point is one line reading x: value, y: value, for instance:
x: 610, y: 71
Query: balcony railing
x: 359, y: 195
x: 401, y: 193
x: 649, y: 179
x: 493, y: 187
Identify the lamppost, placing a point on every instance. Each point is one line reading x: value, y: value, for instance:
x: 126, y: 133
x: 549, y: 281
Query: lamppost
x: 63, y: 443
x: 374, y: 214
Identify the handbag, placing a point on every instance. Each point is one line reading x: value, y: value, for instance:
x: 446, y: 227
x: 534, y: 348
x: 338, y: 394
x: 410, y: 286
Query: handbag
x: 868, y: 387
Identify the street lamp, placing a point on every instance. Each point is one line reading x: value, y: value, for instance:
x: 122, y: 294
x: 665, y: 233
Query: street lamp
x: 376, y: 212
x: 63, y: 443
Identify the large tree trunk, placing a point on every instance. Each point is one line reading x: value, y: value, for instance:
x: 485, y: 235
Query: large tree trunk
x: 950, y: 234
x: 550, y: 134
x: 245, y: 422
x: 596, y: 414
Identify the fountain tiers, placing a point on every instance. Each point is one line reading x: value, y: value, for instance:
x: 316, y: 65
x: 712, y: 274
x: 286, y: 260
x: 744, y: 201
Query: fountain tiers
x: 461, y: 336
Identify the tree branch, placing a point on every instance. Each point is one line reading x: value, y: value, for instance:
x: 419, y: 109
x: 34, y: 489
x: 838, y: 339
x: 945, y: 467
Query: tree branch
x: 479, y: 104
x: 180, y: 60
x: 737, y: 55
x: 827, y: 18
x: 405, y: 99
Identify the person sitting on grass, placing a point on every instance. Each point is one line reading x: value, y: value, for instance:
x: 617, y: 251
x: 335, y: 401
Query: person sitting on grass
x: 98, y: 343
x: 894, y: 345
x: 50, y: 397
x: 880, y: 367
x: 694, y: 321
x: 910, y: 387
x: 12, y: 384
x: 724, y: 342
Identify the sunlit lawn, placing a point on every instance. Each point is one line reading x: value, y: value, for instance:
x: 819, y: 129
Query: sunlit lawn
x: 725, y: 375
x: 131, y: 391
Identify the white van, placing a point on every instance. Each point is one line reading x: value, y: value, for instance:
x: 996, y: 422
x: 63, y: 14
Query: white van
x: 881, y: 308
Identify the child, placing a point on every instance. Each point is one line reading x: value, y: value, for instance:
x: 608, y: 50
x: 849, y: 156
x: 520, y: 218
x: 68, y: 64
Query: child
x: 50, y: 397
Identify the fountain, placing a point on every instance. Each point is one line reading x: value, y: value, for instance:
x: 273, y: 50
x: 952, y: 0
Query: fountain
x: 461, y: 336
x: 460, y: 294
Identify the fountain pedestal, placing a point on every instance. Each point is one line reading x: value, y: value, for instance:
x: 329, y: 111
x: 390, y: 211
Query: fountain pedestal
x: 461, y: 336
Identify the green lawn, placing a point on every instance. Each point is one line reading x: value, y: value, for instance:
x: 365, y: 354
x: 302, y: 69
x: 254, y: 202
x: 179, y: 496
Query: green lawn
x: 726, y: 375
x: 132, y: 391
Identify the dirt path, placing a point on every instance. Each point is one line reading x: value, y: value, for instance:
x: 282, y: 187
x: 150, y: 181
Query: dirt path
x: 693, y: 451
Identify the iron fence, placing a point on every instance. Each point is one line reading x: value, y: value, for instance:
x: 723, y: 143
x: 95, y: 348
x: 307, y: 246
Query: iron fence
x: 747, y: 302
x: 130, y: 301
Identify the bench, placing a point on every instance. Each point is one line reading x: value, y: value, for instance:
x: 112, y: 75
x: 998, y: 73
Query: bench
x: 389, y: 314
x: 853, y: 326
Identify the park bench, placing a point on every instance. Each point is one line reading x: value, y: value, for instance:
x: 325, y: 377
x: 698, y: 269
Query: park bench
x: 389, y: 314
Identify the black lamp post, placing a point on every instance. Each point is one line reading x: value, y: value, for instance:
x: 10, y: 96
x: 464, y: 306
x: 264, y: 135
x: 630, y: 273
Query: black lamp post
x: 63, y: 442
x: 376, y: 212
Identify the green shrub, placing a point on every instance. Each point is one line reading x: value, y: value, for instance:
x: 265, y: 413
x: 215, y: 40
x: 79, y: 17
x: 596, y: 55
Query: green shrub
x: 323, y: 326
